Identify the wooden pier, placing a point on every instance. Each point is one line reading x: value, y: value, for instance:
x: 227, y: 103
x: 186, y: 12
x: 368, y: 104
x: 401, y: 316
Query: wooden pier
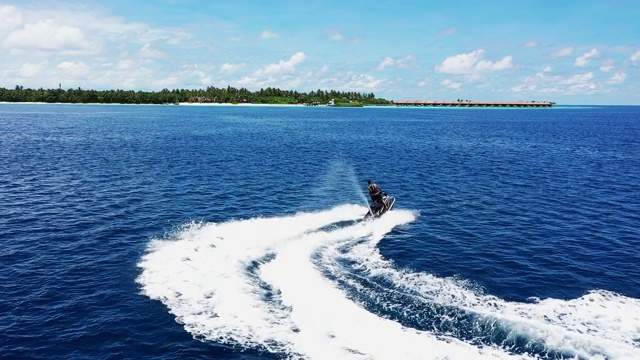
x: 469, y: 103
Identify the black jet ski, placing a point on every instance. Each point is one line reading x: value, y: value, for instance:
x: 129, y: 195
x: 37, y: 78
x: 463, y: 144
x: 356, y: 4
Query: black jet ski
x: 378, y: 209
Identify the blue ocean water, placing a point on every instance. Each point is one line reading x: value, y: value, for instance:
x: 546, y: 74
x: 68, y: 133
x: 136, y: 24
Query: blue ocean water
x: 233, y: 232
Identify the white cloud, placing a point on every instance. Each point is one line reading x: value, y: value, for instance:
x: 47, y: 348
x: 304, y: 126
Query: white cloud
x: 228, y: 68
x: 401, y: 63
x: 46, y: 35
x: 545, y: 83
x: 388, y: 61
x: 460, y: 64
x: 189, y: 75
x: 74, y: 68
x: 250, y: 81
x: 584, y: 59
x: 167, y: 82
x: 618, y: 78
x: 282, y: 66
x: 29, y: 70
x: 76, y: 30
x: 471, y: 63
x: 447, y: 32
x: 335, y: 35
x: 88, y: 46
x: 577, y: 79
x: 572, y: 85
x: 531, y: 44
x: 563, y: 52
x: 361, y: 82
x: 269, y: 35
x: 348, y: 81
x: 607, y: 65
x: 450, y: 84
x: 10, y: 18
x: 80, y: 40
x: 524, y: 87
x: 586, y: 88
x: 504, y: 64
x: 424, y: 82
x: 126, y: 64
x: 338, y: 36
x: 284, y: 81
x: 147, y: 52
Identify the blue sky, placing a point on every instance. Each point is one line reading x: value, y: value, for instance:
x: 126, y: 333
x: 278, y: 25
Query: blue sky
x: 570, y: 52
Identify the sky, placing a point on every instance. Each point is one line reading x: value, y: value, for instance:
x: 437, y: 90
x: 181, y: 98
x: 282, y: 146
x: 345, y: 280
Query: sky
x: 570, y: 52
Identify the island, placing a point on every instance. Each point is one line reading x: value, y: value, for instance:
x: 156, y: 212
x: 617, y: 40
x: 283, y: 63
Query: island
x: 231, y: 95
x: 210, y: 95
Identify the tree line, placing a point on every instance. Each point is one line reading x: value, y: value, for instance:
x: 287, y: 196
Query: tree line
x: 208, y: 95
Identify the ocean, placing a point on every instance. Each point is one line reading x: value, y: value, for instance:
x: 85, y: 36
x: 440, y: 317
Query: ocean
x: 236, y: 232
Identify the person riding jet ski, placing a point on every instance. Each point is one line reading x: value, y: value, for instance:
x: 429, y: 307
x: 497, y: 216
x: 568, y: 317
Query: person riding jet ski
x: 376, y: 194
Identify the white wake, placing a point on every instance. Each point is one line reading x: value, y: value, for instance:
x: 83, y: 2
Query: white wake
x: 252, y: 283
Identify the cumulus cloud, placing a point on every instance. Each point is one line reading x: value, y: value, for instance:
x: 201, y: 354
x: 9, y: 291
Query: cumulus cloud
x: 10, y: 18
x: 46, y: 35
x: 577, y: 79
x: 450, y: 84
x: 584, y: 59
x: 524, y: 88
x: 74, y: 68
x: 80, y: 40
x: 338, y: 36
x: 563, y: 52
x: 267, y: 34
x: 472, y: 63
x: 460, y: 64
x: 147, y: 52
x: 77, y: 30
x: 166, y: 82
x: 359, y: 82
x: 286, y: 81
x: 29, y: 70
x: 544, y: 82
x: 390, y: 62
x: 504, y: 64
x: 228, y: 68
x: 282, y: 67
x: 618, y: 78
x: 126, y: 64
x: 424, y: 82
x: 606, y: 68
x: 635, y: 56
x: 250, y: 81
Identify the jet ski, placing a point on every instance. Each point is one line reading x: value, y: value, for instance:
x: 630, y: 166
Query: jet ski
x: 378, y: 209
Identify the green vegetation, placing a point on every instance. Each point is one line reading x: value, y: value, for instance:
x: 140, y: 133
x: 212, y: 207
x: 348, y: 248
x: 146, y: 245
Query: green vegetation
x: 349, y: 104
x: 208, y: 95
